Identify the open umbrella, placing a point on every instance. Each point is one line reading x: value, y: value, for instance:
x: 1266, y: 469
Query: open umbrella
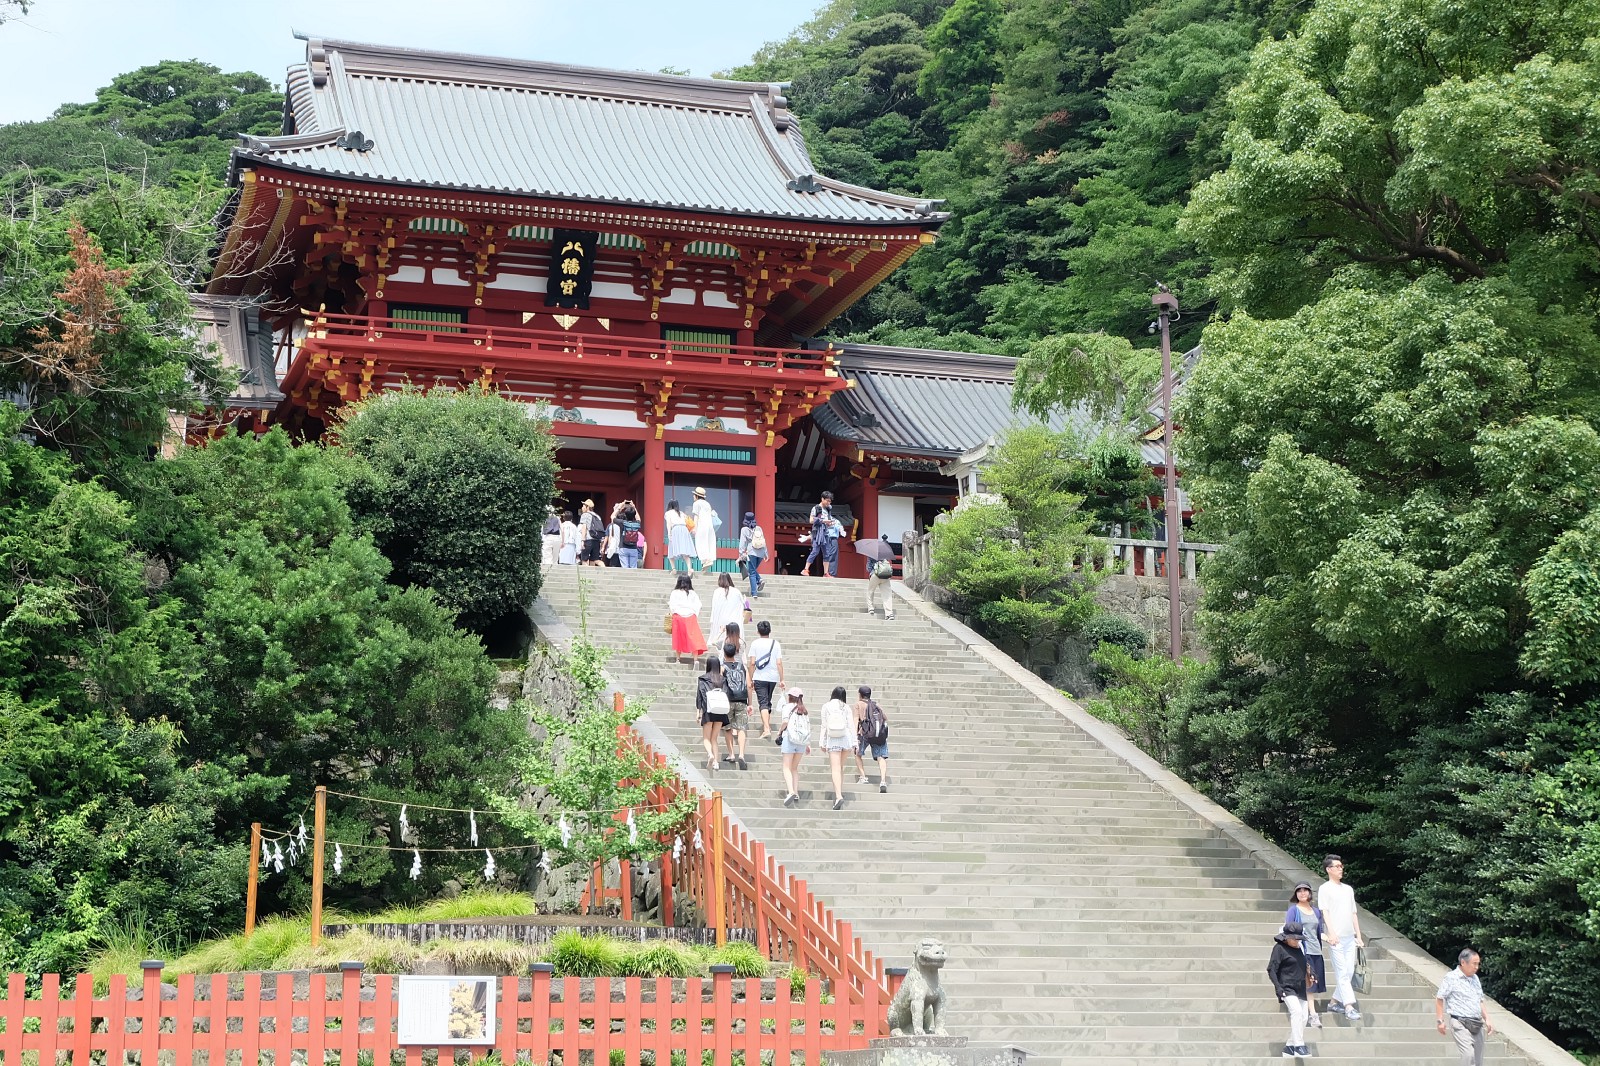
x: 876, y: 550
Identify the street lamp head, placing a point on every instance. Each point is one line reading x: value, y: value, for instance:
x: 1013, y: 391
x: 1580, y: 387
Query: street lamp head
x: 1165, y: 302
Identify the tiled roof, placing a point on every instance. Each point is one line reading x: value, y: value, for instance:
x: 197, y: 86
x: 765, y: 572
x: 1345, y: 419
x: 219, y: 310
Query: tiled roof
x: 233, y: 331
x: 915, y: 402
x: 443, y: 120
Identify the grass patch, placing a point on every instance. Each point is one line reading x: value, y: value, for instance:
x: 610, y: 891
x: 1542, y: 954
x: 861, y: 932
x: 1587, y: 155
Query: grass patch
x: 665, y: 958
x: 503, y: 957
x: 746, y: 959
x: 575, y: 955
x: 473, y: 903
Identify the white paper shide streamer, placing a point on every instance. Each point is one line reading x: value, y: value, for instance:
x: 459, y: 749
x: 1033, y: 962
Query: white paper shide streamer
x: 473, y: 815
x: 405, y: 824
x: 697, y: 841
x: 488, y: 865
x: 677, y: 847
x: 544, y: 862
x: 633, y: 829
x: 566, y: 832
x: 338, y: 859
x: 277, y: 857
x: 301, y: 839
x: 416, y: 864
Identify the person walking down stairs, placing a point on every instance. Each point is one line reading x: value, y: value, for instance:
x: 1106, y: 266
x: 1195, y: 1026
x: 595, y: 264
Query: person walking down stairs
x: 712, y: 703
x: 794, y: 741
x: 1337, y: 901
x: 1287, y: 971
x: 683, y: 615
x: 1302, y: 910
x: 838, y: 737
x: 872, y: 734
x: 752, y: 551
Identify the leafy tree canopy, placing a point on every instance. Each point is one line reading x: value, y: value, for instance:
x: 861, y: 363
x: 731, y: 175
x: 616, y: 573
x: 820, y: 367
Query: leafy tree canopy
x: 455, y: 488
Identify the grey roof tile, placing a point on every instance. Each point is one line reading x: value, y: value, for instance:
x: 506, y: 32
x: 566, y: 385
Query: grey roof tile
x: 471, y: 122
x: 911, y: 401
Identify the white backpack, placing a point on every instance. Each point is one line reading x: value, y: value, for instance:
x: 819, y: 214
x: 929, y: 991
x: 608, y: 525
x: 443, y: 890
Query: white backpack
x: 839, y: 717
x: 717, y: 701
x: 798, y: 729
x: 758, y: 540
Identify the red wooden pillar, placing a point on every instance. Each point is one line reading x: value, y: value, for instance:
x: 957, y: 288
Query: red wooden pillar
x: 654, y: 499
x: 767, y: 497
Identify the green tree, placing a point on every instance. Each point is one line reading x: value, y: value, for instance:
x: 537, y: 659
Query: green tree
x: 1013, y: 559
x: 455, y: 487
x: 588, y: 779
x: 1394, y: 432
x: 957, y: 80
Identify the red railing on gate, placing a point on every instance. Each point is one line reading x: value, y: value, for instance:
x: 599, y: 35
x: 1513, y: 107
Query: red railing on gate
x: 343, y: 1017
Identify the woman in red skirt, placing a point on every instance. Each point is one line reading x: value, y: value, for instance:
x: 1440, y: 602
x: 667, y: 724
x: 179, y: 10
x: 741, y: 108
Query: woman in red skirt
x: 684, y: 607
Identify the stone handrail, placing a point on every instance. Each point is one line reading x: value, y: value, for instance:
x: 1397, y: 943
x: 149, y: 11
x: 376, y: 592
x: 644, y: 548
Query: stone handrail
x: 1145, y: 558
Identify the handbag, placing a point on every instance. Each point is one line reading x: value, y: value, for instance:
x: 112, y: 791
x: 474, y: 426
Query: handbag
x: 666, y: 623
x: 1361, y: 979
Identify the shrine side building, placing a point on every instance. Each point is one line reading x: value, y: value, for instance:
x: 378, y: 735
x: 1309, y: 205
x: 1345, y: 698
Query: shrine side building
x: 648, y: 258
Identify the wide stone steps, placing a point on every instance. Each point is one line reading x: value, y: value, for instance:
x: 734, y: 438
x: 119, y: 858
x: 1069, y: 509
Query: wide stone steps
x: 1090, y: 916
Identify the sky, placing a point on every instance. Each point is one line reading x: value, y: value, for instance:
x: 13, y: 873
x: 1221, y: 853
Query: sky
x: 63, y: 50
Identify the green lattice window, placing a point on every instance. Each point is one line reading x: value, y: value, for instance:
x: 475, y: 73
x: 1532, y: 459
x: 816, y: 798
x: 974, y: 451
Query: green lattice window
x: 437, y: 319
x: 715, y: 341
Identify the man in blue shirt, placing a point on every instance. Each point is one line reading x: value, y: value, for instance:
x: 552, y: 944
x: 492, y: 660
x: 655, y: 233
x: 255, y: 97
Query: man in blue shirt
x: 824, y: 544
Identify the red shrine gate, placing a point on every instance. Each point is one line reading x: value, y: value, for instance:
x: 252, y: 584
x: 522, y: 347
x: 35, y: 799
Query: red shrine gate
x: 643, y: 255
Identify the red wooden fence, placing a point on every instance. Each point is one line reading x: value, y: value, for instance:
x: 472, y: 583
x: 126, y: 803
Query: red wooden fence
x: 791, y: 924
x: 231, y: 1021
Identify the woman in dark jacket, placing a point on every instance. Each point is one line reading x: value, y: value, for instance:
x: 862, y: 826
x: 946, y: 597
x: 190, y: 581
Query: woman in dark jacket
x: 1286, y: 969
x: 711, y: 701
x: 1303, y: 909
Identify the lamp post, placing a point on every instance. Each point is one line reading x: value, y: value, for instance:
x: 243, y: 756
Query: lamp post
x: 1166, y: 306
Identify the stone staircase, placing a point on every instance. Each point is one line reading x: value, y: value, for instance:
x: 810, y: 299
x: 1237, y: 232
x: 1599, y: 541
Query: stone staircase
x: 1090, y: 917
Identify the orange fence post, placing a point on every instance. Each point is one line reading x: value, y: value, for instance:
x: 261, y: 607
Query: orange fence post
x: 319, y: 831
x: 539, y: 1038
x: 250, y: 885
x: 666, y: 888
x: 722, y: 1011
x: 719, y: 876
x: 349, y: 1012
x: 758, y: 855
x: 150, y: 1010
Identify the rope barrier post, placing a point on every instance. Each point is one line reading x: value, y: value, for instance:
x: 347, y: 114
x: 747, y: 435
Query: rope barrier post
x: 719, y: 877
x: 250, y: 885
x: 319, y: 830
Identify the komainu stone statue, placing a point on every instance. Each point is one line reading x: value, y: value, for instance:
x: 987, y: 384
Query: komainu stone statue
x: 918, y: 1007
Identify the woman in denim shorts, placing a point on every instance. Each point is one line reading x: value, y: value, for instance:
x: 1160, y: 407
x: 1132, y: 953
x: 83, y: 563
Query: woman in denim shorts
x: 794, y: 740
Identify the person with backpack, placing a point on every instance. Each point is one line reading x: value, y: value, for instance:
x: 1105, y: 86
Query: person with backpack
x: 593, y: 531
x: 630, y: 537
x: 737, y: 683
x: 880, y: 574
x: 821, y: 522
x: 552, y: 537
x: 794, y: 740
x: 752, y: 551
x: 838, y: 737
x: 711, y: 701
x: 764, y: 667
x: 872, y: 733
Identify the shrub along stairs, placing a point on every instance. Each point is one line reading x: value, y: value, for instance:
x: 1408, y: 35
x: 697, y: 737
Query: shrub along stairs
x: 1090, y: 916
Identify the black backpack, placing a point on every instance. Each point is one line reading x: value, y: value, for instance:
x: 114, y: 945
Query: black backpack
x: 874, y: 727
x: 733, y: 680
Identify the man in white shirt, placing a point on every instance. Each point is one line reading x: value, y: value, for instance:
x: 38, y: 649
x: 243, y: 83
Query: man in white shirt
x: 1337, y: 901
x: 764, y: 667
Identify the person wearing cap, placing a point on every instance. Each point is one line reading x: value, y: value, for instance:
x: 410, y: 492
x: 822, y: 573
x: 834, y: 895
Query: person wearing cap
x: 706, y: 521
x: 593, y: 533
x: 1303, y: 910
x: 794, y: 740
x: 1286, y: 969
x: 752, y: 550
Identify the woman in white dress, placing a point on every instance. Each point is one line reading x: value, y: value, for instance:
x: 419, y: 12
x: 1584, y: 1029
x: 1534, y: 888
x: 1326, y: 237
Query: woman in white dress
x: 680, y: 542
x: 727, y: 605
x: 705, y: 530
x: 571, y: 540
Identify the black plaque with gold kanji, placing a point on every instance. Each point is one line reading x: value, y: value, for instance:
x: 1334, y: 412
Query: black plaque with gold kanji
x: 571, y: 268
